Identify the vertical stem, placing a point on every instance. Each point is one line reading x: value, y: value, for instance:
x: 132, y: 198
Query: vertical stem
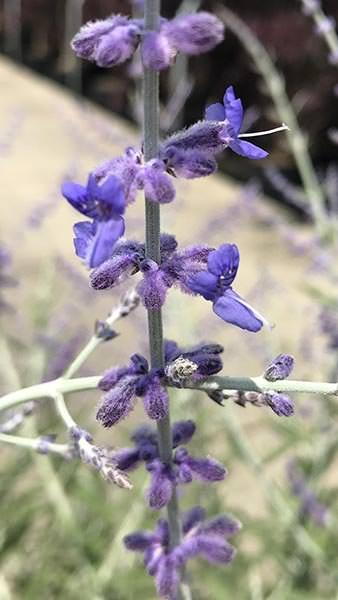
x: 152, y: 217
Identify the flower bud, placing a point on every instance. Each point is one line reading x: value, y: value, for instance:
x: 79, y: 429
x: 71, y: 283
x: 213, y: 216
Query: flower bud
x: 157, y: 52
x: 279, y: 368
x: 195, y: 33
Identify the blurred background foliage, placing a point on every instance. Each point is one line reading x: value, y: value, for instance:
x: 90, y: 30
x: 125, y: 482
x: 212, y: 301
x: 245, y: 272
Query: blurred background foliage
x: 61, y: 525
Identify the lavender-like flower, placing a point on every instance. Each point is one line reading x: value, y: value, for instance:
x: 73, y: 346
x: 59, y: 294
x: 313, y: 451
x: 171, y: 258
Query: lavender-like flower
x: 124, y: 384
x: 176, y: 268
x: 104, y: 203
x: 231, y: 114
x: 114, y: 40
x: 107, y: 42
x: 134, y: 175
x: 205, y: 538
x: 215, y: 285
x: 165, y: 478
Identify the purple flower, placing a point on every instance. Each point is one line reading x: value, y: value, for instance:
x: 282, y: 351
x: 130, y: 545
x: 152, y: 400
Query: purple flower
x: 146, y: 445
x: 114, y: 40
x: 215, y: 285
x: 124, y: 384
x: 195, y: 33
x: 135, y: 175
x: 118, y: 46
x: 164, y: 478
x: 109, y: 42
x: 279, y: 368
x: 207, y: 539
x: 176, y: 268
x: 104, y: 203
x: 231, y: 113
x: 157, y: 51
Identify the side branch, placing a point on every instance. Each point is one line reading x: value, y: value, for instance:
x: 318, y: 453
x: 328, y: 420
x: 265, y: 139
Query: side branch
x: 226, y: 384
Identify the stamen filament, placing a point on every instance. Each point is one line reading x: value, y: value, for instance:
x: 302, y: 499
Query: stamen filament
x: 266, y: 132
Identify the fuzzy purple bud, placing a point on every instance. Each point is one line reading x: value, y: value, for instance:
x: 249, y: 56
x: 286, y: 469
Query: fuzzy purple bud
x: 111, y: 377
x: 192, y: 517
x: 156, y: 400
x: 86, y: 40
x: 157, y: 52
x: 117, y: 46
x: 279, y: 368
x: 112, y: 272
x: 224, y: 525
x: 281, y: 404
x: 214, y: 549
x: 182, y: 432
x: 138, y: 541
x: 155, y: 182
x: 117, y: 403
x: 205, y: 469
x: 153, y: 287
x: 194, y: 33
x: 203, y: 136
x: 191, y: 164
x: 167, y: 577
x: 161, y: 485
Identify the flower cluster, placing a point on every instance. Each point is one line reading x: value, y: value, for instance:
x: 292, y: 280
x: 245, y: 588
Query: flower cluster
x: 124, y: 384
x: 164, y: 478
x: 114, y: 184
x: 203, y: 538
x: 176, y: 268
x: 114, y: 40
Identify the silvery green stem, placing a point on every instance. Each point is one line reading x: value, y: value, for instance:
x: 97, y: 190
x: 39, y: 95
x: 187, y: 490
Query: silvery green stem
x: 216, y: 382
x: 152, y: 218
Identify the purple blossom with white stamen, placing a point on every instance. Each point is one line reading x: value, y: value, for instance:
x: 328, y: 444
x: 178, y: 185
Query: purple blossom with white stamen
x: 205, y: 538
x: 231, y: 114
x: 104, y: 203
x: 215, y: 285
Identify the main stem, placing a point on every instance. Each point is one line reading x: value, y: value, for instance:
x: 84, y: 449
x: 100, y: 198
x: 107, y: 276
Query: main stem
x: 153, y: 251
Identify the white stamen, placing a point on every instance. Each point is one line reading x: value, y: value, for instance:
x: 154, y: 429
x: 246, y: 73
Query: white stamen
x: 267, y: 132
